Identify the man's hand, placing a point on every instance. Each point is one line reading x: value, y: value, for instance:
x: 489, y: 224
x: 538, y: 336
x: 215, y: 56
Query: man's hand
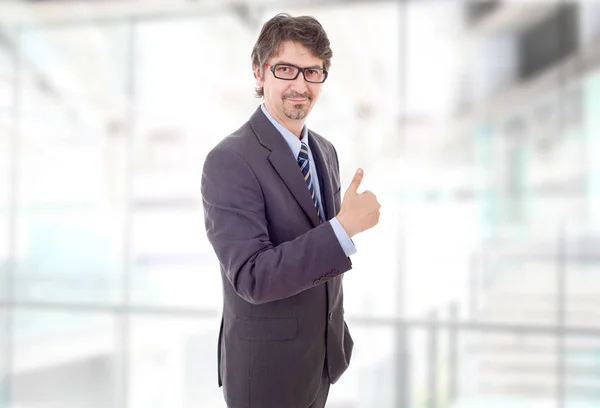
x: 360, y: 211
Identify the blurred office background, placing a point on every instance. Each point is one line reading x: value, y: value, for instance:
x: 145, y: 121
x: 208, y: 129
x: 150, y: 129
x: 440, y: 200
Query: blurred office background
x: 478, y: 125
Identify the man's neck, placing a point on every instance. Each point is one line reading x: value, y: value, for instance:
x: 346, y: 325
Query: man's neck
x: 294, y: 126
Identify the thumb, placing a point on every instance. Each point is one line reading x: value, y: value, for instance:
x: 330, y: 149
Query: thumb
x: 355, y: 183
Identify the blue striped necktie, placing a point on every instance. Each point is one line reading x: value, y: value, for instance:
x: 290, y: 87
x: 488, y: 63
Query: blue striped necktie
x: 304, y: 164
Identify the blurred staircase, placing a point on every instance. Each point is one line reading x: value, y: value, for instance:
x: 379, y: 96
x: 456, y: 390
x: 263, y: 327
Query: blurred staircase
x: 523, y: 289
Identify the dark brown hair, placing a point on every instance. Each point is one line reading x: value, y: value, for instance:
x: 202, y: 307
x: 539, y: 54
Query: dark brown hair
x: 283, y: 27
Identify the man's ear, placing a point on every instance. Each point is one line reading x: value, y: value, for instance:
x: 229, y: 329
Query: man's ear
x: 260, y: 81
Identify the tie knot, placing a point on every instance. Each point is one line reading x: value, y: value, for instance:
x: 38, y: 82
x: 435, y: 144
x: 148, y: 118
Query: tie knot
x: 303, y: 151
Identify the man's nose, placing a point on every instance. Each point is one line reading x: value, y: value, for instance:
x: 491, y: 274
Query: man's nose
x: 299, y: 84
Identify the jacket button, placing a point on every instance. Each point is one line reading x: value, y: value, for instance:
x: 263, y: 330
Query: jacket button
x: 330, y: 316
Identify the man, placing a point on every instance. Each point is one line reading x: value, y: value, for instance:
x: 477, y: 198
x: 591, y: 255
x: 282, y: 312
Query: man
x: 271, y: 196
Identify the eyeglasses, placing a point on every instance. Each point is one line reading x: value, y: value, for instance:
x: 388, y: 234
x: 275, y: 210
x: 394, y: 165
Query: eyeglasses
x: 289, y: 72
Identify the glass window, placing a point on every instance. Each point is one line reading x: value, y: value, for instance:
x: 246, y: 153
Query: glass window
x: 7, y: 127
x: 72, y: 120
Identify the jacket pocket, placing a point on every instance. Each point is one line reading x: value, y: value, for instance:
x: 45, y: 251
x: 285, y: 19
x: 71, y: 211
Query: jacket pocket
x: 262, y: 329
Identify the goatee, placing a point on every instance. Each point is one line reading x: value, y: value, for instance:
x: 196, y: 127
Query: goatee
x: 300, y: 110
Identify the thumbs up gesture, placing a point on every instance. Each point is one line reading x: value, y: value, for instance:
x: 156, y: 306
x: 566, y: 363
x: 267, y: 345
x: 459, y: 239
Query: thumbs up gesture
x: 359, y: 211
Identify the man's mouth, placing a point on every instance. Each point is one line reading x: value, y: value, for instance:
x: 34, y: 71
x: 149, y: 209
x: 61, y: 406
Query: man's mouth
x: 297, y: 98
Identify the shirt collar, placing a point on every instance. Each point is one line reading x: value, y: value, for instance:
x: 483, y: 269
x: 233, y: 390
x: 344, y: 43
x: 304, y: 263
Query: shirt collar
x: 293, y: 142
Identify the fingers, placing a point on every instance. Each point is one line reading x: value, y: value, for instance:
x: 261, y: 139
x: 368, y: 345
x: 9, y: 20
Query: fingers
x: 355, y: 183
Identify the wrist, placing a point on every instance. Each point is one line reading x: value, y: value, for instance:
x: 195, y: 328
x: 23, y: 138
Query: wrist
x: 345, y: 225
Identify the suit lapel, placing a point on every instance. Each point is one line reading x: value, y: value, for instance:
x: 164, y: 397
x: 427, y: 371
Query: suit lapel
x: 284, y: 163
x: 317, y: 150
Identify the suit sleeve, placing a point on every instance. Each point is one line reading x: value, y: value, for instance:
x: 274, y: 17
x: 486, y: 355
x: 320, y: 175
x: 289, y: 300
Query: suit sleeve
x: 236, y: 226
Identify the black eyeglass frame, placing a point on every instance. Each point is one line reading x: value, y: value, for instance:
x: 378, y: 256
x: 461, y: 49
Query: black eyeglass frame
x: 272, y: 69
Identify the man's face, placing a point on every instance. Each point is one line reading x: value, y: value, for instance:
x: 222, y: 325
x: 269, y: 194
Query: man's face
x: 290, y: 99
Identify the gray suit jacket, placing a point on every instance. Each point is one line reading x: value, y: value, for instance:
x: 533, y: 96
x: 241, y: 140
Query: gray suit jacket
x: 281, y: 269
